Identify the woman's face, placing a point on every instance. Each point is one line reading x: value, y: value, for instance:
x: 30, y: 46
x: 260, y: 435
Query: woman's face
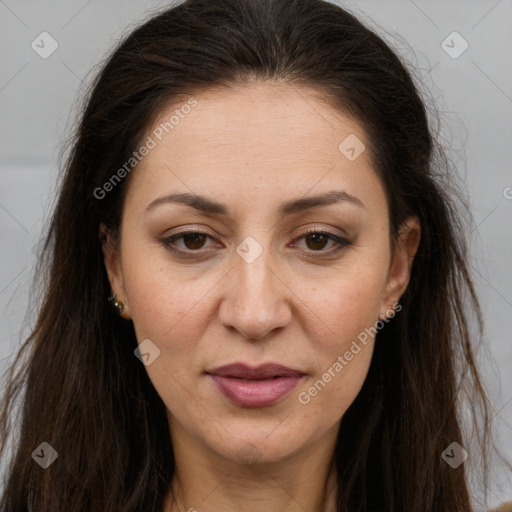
x: 253, y: 287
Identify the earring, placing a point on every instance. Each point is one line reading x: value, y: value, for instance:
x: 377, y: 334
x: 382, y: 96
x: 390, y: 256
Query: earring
x: 383, y: 316
x: 117, y: 304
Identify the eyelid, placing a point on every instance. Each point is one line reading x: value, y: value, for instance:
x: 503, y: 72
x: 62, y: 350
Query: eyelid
x: 167, y: 241
x: 341, y: 242
x: 322, y: 230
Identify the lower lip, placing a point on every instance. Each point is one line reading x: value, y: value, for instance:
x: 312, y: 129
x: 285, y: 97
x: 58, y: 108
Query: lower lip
x: 255, y: 393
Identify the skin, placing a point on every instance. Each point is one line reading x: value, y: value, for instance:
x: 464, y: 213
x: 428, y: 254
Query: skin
x: 252, y: 148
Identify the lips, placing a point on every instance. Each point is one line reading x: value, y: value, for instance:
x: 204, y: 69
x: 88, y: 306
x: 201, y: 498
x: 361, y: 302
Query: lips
x: 243, y: 371
x: 255, y: 387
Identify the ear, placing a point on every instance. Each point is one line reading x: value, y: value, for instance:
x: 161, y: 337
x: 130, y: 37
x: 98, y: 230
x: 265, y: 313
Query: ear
x: 399, y: 271
x: 111, y: 257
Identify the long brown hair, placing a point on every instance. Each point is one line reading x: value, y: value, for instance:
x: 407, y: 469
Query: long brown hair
x: 86, y: 395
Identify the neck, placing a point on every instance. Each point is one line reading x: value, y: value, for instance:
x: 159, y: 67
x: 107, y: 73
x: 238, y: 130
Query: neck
x: 272, y: 497
x: 205, y: 482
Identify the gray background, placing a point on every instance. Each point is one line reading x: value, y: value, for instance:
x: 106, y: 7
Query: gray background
x: 473, y: 93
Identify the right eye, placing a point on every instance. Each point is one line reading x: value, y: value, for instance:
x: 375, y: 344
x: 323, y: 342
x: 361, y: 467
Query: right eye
x: 193, y: 240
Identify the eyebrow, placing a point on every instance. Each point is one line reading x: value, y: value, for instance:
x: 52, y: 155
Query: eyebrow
x: 212, y: 207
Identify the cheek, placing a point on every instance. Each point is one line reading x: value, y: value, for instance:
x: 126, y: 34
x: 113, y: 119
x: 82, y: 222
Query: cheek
x: 344, y: 304
x: 166, y: 299
x: 341, y: 331
x: 170, y: 308
x: 342, y: 352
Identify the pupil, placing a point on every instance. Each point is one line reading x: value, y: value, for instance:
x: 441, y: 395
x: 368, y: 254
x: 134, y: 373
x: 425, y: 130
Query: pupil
x: 194, y: 237
x: 317, y: 238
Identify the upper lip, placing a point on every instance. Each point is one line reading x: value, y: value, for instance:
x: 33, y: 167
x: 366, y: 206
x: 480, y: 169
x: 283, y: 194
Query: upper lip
x: 264, y: 371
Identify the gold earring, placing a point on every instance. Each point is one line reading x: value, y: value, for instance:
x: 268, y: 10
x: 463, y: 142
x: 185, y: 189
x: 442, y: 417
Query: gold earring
x: 117, y: 304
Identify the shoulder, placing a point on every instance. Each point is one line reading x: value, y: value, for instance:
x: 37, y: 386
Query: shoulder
x: 505, y: 507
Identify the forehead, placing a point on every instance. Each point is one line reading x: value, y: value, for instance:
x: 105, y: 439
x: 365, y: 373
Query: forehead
x: 261, y: 141
x: 279, y: 118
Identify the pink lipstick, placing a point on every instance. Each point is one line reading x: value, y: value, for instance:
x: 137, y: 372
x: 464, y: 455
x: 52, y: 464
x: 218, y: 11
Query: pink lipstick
x: 255, y: 387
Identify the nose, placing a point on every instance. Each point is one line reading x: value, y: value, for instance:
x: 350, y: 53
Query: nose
x: 257, y: 299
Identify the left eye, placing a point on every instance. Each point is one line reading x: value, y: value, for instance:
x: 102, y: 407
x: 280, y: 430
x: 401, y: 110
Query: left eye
x: 194, y: 241
x: 320, y: 237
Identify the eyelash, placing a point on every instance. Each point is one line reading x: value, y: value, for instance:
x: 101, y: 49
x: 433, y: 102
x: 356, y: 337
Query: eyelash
x: 340, y: 241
